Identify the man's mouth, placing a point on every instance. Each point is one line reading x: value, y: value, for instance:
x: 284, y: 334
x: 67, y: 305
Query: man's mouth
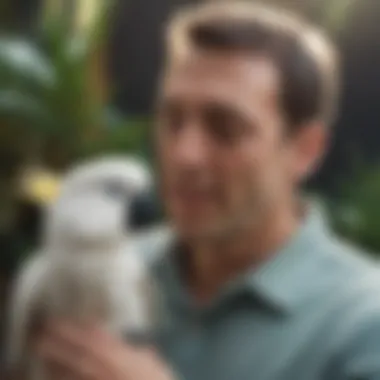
x: 193, y: 194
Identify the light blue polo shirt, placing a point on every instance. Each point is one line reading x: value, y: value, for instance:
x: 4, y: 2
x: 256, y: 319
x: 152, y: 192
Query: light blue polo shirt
x: 311, y: 313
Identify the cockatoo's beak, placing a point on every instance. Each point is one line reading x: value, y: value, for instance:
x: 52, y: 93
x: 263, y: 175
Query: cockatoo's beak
x: 144, y: 210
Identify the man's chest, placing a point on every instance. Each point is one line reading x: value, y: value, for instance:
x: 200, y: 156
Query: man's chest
x: 248, y: 345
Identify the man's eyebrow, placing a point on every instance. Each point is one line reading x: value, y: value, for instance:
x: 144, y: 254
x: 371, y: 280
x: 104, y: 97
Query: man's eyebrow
x: 243, y: 112
x: 236, y: 110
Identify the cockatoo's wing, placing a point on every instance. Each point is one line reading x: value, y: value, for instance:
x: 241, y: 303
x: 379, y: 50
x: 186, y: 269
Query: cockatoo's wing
x: 25, y: 297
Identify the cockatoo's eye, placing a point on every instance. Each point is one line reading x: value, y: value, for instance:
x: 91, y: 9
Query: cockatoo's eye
x: 115, y: 190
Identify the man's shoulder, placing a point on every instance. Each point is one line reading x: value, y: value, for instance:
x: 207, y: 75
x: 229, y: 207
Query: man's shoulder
x: 338, y: 255
x: 356, y: 268
x: 354, y: 286
x: 350, y: 261
x: 356, y: 333
x: 346, y: 294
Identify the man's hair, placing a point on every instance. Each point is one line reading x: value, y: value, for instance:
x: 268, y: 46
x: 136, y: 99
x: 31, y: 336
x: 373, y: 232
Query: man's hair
x: 306, y: 60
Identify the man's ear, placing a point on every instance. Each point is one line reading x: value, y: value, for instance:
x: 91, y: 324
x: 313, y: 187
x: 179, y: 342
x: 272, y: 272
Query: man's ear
x: 309, y: 146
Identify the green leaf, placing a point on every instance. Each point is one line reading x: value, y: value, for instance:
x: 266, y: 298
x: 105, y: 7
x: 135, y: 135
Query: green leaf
x: 18, y: 105
x: 22, y: 59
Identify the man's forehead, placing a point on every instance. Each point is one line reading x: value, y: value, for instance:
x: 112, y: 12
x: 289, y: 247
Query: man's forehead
x: 221, y: 74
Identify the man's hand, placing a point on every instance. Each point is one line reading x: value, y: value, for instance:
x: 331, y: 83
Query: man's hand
x: 89, y: 353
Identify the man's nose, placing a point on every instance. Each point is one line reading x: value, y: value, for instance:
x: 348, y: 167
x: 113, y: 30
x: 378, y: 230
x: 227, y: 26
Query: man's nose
x: 191, y: 147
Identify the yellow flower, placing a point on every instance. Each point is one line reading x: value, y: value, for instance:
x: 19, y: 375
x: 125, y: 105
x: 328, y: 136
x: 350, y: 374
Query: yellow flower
x: 40, y: 187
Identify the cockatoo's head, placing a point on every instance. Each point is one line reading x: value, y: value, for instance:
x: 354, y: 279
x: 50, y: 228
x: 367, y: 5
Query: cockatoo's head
x: 94, y: 205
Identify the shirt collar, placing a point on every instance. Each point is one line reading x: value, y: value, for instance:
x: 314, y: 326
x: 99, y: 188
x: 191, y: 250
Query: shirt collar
x: 280, y: 283
x: 291, y: 275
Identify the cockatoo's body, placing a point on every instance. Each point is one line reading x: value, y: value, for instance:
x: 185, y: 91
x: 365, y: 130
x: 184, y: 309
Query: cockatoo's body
x: 88, y: 268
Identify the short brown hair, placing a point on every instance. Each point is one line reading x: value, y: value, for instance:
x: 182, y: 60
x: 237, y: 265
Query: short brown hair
x: 304, y: 56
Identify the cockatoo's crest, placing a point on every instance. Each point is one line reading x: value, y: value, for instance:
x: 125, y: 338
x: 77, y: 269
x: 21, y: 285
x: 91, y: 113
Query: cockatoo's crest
x: 128, y: 173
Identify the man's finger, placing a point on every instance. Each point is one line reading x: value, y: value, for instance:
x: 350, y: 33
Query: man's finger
x: 74, y: 337
x: 71, y: 364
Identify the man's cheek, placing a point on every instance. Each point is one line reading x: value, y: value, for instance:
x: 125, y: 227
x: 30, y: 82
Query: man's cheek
x: 237, y: 192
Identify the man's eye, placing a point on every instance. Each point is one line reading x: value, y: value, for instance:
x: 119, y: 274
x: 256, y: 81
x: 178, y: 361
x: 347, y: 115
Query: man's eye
x: 224, y: 126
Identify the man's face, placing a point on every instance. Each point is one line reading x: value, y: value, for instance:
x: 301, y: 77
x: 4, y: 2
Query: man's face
x: 223, y: 154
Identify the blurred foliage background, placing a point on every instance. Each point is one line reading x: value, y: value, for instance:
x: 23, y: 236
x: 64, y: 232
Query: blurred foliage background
x: 77, y: 79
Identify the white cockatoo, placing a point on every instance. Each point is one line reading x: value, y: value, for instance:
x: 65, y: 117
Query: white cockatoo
x: 88, y: 266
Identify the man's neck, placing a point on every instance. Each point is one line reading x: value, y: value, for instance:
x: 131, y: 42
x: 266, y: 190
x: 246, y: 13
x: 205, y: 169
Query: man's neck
x: 214, y: 263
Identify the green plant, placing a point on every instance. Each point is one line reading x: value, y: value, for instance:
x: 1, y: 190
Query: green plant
x: 54, y: 102
x: 336, y: 13
x: 52, y: 93
x: 356, y: 213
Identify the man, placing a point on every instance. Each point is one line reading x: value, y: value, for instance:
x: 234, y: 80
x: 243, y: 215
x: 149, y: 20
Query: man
x: 254, y: 283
